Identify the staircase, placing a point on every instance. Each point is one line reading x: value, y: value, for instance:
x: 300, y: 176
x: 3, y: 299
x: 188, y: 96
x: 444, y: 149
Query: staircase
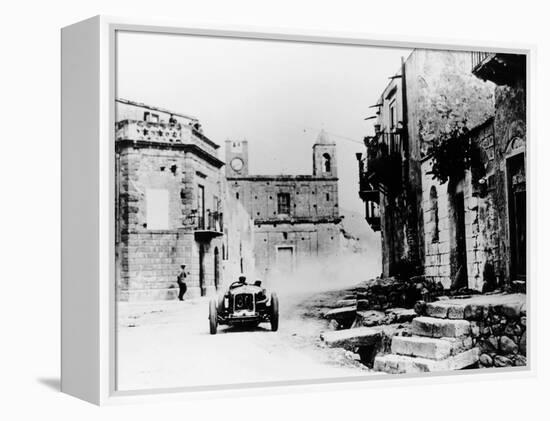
x: 436, y: 344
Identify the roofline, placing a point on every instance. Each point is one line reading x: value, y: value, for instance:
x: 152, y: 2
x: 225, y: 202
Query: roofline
x: 153, y: 108
x: 281, y: 177
x: 185, y: 147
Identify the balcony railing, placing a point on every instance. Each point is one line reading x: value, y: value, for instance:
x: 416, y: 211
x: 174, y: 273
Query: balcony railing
x: 479, y: 57
x: 209, y: 224
x: 164, y: 133
x: 137, y: 130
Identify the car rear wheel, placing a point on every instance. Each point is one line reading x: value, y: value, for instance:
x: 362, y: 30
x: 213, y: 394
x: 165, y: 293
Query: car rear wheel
x: 274, y: 313
x: 213, y: 316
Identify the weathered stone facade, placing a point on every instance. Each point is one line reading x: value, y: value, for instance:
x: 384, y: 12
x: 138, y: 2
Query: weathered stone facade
x: 493, y: 196
x: 466, y: 231
x: 169, y: 204
x: 296, y: 217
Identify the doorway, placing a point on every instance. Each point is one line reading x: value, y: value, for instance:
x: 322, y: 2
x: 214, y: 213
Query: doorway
x: 285, y: 259
x: 201, y: 270
x: 216, y: 268
x: 517, y: 208
x: 459, y: 268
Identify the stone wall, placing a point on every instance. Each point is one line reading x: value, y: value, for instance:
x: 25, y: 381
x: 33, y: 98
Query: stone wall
x: 500, y: 332
x: 510, y: 141
x: 480, y: 224
x: 310, y: 197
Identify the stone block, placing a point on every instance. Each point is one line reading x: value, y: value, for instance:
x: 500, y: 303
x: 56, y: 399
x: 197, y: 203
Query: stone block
x: 400, y: 364
x: 502, y: 361
x: 344, y: 316
x: 485, y: 360
x: 456, y: 312
x: 507, y: 345
x: 369, y: 318
x: 350, y: 339
x: 438, y: 328
x: 419, y: 346
x: 437, y: 309
x: 511, y: 310
x: 346, y: 302
x: 473, y: 312
x: 444, y: 310
x: 402, y: 315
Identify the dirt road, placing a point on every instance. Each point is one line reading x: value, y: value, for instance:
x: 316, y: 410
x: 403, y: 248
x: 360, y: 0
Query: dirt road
x: 167, y: 344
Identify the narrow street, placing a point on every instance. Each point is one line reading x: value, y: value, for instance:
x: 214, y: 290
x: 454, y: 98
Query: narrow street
x: 167, y: 344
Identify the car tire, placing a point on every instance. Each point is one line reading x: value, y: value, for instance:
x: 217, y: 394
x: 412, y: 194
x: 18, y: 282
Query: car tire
x: 221, y: 300
x: 274, y: 312
x: 213, y: 317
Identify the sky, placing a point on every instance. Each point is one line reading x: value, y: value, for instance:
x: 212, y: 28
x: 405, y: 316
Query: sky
x: 278, y: 95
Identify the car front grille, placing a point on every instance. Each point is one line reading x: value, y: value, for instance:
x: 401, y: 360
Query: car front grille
x: 244, y: 302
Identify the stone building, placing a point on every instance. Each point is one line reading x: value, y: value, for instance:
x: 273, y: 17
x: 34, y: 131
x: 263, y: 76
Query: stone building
x: 169, y: 204
x: 296, y: 217
x: 481, y: 212
x: 454, y: 229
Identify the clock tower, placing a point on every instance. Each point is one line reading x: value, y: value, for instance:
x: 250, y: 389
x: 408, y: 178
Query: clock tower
x: 236, y: 158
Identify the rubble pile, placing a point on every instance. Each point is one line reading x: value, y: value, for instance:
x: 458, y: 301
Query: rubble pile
x: 384, y: 293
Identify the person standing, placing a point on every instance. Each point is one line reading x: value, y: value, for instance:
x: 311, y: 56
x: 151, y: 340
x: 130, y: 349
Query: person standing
x: 182, y: 275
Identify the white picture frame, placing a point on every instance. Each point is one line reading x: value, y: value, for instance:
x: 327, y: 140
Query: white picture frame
x: 88, y: 275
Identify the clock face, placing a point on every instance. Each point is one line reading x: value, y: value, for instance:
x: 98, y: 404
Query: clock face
x: 237, y: 164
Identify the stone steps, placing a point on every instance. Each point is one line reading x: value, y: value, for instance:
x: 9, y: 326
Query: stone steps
x: 441, y: 343
x: 400, y: 364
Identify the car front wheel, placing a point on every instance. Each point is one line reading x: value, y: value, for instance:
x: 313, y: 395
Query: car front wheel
x: 274, y: 313
x: 213, y: 317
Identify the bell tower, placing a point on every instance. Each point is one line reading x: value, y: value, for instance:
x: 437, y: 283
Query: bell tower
x: 324, y: 156
x: 236, y: 158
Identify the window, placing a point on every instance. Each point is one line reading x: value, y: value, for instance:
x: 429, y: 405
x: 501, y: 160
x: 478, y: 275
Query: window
x: 157, y: 207
x: 434, y: 214
x: 326, y: 162
x: 393, y: 116
x: 200, y: 206
x: 328, y: 197
x: 283, y: 203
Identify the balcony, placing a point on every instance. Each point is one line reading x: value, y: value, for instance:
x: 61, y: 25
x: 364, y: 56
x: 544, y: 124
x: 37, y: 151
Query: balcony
x: 384, y: 164
x: 208, y: 225
x: 500, y: 68
x: 368, y: 192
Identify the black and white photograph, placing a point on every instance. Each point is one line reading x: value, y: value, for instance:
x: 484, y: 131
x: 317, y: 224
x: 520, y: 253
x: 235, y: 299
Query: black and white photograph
x: 305, y: 211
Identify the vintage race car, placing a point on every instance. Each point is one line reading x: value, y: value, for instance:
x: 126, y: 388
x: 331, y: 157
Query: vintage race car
x: 244, y: 304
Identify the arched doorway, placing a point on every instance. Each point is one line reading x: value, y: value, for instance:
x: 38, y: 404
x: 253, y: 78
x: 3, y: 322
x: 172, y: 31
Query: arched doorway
x: 216, y: 268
